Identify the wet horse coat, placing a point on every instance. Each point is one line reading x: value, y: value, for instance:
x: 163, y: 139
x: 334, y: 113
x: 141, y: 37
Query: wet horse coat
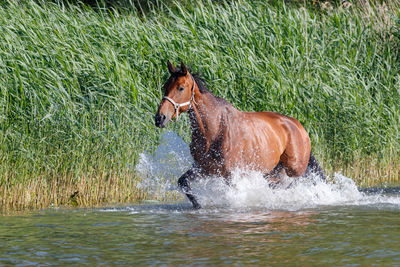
x: 224, y: 138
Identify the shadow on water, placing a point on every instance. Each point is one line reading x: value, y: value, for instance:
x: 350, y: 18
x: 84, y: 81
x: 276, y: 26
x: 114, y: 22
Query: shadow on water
x: 154, y: 208
x: 225, y: 219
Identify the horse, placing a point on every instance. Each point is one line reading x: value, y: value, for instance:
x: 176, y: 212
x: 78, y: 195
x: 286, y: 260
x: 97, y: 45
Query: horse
x: 225, y: 139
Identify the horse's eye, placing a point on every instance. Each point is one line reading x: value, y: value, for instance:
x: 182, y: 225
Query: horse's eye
x: 180, y: 88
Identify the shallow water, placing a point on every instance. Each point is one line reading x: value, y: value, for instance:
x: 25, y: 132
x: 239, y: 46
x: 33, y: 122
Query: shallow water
x: 248, y: 223
x: 173, y: 234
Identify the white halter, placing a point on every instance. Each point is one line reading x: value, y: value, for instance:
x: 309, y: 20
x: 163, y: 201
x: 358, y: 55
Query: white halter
x: 178, y: 105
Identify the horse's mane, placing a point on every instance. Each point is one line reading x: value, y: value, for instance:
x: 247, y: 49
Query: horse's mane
x: 201, y: 84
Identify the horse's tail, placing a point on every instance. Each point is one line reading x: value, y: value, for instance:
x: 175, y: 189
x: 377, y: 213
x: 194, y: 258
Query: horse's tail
x: 314, y: 168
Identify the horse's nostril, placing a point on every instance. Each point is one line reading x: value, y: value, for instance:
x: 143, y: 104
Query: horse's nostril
x: 159, y: 119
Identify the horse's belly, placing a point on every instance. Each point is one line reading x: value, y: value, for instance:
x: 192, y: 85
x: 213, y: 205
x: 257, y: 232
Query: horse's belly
x: 252, y: 154
x: 252, y: 159
x: 227, y: 161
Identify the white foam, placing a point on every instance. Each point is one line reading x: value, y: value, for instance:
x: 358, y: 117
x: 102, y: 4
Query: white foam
x: 247, y: 189
x: 250, y: 189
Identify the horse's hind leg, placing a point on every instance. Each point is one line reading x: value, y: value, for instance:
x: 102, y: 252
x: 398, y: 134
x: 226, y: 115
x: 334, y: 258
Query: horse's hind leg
x: 184, y: 185
x: 277, y: 176
x: 274, y: 177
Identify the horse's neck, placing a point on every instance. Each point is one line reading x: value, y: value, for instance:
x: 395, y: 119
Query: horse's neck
x: 205, y: 117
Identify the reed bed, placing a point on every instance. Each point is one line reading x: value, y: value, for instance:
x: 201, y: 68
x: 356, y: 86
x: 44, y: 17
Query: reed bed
x: 69, y: 191
x: 79, y: 86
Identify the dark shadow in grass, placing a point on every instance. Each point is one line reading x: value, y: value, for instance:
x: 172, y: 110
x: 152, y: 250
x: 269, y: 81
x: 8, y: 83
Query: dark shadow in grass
x: 146, y: 7
x: 142, y: 7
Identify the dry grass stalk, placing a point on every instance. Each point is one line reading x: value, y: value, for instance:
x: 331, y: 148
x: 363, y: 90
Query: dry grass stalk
x: 67, y: 191
x: 379, y: 15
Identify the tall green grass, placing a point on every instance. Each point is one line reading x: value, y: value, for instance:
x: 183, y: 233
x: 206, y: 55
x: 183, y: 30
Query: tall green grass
x: 79, y: 86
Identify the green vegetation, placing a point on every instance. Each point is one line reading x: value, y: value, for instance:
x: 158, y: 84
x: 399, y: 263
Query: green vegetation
x: 79, y: 87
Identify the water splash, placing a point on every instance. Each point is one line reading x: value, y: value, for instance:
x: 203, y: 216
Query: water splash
x: 248, y: 189
x: 161, y: 170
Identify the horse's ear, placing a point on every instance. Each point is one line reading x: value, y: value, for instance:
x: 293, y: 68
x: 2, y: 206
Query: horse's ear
x: 183, y: 69
x: 171, y: 68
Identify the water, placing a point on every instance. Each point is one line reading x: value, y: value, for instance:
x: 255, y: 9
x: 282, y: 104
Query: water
x: 173, y: 234
x: 248, y: 223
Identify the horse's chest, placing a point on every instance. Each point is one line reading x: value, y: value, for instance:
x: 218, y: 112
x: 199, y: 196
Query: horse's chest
x: 209, y: 155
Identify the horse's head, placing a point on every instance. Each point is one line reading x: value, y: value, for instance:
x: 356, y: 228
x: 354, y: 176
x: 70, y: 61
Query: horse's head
x: 178, y: 95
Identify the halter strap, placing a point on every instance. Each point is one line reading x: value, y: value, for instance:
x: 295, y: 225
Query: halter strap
x: 179, y: 105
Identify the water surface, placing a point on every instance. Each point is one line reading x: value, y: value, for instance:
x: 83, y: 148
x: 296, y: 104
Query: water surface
x: 174, y: 234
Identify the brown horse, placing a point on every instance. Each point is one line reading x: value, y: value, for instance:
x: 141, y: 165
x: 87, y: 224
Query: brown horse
x: 224, y: 138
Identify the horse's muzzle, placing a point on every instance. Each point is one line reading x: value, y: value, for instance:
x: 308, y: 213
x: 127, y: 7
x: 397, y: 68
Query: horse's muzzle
x: 160, y: 120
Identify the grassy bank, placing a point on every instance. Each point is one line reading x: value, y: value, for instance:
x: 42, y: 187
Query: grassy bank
x: 79, y: 87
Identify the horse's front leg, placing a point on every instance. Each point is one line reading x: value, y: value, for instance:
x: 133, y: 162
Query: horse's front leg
x: 184, y: 186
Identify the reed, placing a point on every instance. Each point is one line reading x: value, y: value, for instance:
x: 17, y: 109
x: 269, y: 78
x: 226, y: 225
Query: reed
x: 79, y: 86
x: 43, y: 192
